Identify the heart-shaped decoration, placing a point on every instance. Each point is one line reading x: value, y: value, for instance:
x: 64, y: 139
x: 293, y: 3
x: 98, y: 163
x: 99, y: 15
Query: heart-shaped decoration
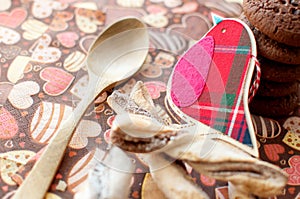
x: 47, y: 119
x: 22, y: 144
x: 9, y: 36
x: 169, y: 41
x: 72, y: 154
x: 20, y: 95
x: 17, y: 67
x: 43, y: 53
x: 79, y: 172
x: 67, y: 39
x: 85, y: 129
x: 292, y: 124
x: 75, y: 61
x: 165, y: 60
x: 190, y: 73
x: 44, y: 8
x: 58, y: 80
x: 207, y: 181
x: 33, y: 29
x: 14, y: 18
x: 88, y: 20
x: 294, y: 170
x: 150, y: 69
x: 8, y: 124
x: 273, y: 150
x: 155, y: 88
x: 223, y: 103
x: 10, y: 52
x: 11, y: 162
x: 60, y: 21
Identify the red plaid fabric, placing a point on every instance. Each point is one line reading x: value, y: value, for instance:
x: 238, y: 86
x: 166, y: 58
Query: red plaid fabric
x: 221, y: 103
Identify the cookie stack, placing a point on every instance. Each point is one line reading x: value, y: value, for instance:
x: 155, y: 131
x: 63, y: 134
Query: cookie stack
x: 276, y: 27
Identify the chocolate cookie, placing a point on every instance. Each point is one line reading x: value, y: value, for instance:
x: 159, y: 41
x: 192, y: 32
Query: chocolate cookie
x: 279, y: 19
x: 278, y: 72
x: 272, y: 49
x: 274, y: 107
x: 275, y: 89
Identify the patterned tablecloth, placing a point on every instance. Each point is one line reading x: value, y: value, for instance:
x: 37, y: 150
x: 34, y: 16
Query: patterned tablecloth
x: 43, y: 45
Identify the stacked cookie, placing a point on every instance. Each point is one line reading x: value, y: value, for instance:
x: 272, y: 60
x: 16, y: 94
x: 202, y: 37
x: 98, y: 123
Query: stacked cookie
x: 276, y: 27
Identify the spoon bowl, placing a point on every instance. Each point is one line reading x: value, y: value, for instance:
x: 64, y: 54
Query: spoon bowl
x: 117, y: 54
x: 128, y: 41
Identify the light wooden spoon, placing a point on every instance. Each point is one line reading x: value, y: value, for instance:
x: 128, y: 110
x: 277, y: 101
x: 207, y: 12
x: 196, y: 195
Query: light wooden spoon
x: 117, y: 54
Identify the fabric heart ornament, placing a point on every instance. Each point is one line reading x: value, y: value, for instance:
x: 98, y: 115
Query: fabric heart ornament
x: 67, y: 39
x: 43, y: 53
x: 57, y: 80
x: 223, y: 103
x: 8, y: 124
x: 20, y: 95
x: 273, y: 150
x: 14, y: 18
x: 9, y: 36
x: 85, y: 129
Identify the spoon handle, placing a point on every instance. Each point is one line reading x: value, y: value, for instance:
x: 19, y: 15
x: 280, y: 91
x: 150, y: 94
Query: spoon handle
x: 36, y: 184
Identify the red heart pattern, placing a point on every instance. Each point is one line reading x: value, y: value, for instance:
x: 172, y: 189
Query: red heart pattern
x: 57, y: 80
x: 8, y: 124
x: 155, y: 88
x: 14, y: 18
x: 67, y: 39
x: 273, y: 150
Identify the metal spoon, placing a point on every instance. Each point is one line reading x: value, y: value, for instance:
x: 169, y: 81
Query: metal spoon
x: 117, y: 54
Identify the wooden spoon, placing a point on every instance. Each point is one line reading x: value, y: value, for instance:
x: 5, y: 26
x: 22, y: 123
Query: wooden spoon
x: 117, y: 54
